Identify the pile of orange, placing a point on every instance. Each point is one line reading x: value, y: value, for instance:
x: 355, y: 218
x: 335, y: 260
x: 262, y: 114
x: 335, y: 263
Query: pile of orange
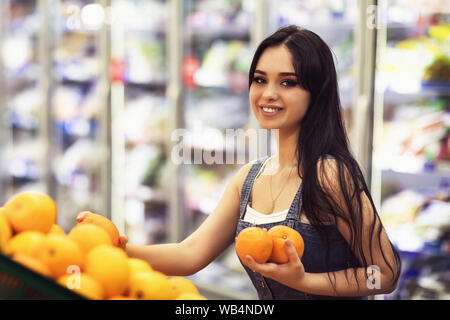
x: 87, y: 260
x: 267, y: 245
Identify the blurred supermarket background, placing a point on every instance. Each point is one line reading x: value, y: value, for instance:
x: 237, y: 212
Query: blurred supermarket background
x: 90, y: 92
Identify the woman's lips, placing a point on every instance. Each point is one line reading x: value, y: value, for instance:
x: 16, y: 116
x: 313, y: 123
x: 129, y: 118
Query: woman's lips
x: 270, y: 114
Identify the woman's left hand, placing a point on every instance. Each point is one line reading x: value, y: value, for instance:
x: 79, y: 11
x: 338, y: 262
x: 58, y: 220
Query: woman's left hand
x: 290, y: 273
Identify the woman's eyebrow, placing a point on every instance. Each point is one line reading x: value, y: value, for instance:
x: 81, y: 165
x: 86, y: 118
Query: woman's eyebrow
x: 282, y: 74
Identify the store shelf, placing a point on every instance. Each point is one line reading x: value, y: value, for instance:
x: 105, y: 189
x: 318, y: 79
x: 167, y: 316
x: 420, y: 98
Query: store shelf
x: 208, y: 34
x: 425, y: 91
x: 147, y: 86
x: 417, y: 177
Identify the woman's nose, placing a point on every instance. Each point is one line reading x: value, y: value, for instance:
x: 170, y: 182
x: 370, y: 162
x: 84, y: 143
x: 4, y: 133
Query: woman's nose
x: 270, y: 93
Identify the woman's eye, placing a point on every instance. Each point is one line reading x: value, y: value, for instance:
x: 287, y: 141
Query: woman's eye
x: 258, y: 80
x: 289, y: 83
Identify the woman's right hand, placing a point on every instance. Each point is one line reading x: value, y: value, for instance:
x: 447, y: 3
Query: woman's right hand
x: 123, y: 240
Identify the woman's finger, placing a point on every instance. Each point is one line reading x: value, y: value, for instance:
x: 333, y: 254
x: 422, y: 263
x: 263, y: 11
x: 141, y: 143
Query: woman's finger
x: 81, y: 216
x: 262, y: 268
x: 123, y: 240
x: 250, y: 262
x: 291, y: 252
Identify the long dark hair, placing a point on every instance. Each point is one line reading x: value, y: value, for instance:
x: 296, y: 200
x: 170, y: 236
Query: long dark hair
x: 322, y: 132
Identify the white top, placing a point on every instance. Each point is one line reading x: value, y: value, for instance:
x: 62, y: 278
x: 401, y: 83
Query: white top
x: 255, y: 217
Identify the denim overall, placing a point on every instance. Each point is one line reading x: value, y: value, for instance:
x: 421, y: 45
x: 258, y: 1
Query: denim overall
x: 314, y: 255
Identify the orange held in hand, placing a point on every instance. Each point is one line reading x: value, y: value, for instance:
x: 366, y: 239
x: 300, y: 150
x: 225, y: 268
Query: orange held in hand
x: 101, y: 221
x: 254, y: 241
x: 89, y: 236
x: 280, y: 234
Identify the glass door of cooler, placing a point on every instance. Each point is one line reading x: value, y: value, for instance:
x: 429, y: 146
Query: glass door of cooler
x: 335, y: 22
x: 140, y: 187
x: 23, y: 137
x: 411, y: 158
x: 216, y: 57
x: 78, y: 109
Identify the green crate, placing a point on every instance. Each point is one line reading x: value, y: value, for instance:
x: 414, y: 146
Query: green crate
x: 20, y: 283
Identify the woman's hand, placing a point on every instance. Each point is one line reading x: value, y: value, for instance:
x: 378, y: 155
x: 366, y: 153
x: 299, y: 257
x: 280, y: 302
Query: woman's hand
x: 291, y: 273
x: 81, y: 216
x: 123, y: 242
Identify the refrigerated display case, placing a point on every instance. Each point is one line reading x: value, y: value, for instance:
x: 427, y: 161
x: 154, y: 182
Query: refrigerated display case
x: 78, y: 112
x: 53, y: 114
x: 216, y: 55
x: 23, y: 151
x: 411, y: 163
x: 139, y: 120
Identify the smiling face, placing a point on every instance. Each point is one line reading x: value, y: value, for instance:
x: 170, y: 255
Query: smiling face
x: 276, y: 98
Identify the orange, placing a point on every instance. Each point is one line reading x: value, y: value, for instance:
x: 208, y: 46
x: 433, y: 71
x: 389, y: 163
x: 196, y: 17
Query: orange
x: 103, y: 222
x: 138, y: 265
x: 25, y: 242
x: 190, y: 296
x: 279, y: 236
x: 89, y: 236
x: 83, y: 284
x: 56, y: 229
x: 182, y: 285
x: 5, y: 230
x: 254, y: 241
x: 150, y: 286
x: 31, y: 210
x: 59, y: 253
x: 109, y: 266
x: 121, y: 298
x: 32, y: 263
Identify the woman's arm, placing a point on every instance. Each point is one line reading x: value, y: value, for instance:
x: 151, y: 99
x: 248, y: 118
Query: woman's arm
x: 367, y: 246
x: 345, y: 283
x: 205, y: 244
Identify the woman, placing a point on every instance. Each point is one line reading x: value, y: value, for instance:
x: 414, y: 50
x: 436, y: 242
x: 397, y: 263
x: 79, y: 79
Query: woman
x: 293, y: 88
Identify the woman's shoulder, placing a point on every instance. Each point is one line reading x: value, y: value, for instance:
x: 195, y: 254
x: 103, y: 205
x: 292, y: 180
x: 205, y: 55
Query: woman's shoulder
x: 332, y: 171
x: 327, y: 161
x: 244, y: 170
x: 242, y: 173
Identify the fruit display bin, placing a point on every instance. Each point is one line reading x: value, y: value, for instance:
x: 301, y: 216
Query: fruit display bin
x: 20, y: 283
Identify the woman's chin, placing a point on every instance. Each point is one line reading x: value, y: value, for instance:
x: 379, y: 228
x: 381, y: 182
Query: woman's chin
x: 268, y: 126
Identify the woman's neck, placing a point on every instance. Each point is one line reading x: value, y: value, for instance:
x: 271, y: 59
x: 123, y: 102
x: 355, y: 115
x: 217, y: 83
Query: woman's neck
x: 287, y: 144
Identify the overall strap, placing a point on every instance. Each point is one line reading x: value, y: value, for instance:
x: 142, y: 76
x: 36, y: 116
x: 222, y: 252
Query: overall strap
x: 296, y: 205
x: 248, y: 184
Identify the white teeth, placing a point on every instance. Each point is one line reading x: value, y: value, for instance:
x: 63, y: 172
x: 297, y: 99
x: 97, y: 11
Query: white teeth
x: 271, y: 109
